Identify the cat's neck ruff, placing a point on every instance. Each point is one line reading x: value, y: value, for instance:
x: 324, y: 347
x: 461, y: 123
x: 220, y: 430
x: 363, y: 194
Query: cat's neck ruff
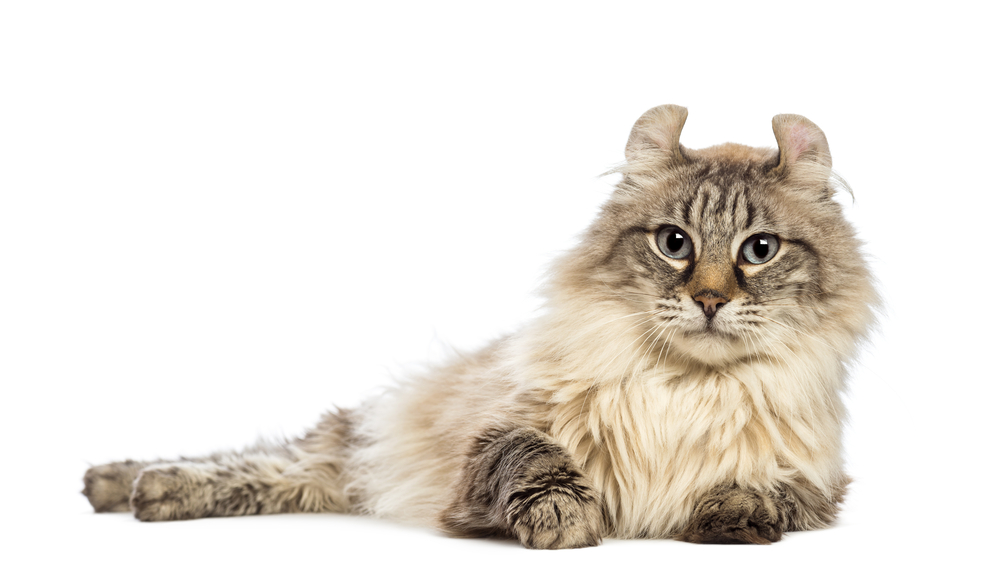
x: 656, y: 430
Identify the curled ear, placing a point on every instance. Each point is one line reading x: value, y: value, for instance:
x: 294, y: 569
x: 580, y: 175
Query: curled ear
x: 802, y: 148
x: 658, y: 131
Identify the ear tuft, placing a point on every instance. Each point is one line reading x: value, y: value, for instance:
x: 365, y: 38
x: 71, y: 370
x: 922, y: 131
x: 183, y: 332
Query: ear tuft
x: 799, y: 140
x: 657, y: 131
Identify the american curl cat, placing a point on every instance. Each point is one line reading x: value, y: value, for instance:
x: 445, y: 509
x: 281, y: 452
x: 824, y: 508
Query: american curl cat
x: 684, y: 381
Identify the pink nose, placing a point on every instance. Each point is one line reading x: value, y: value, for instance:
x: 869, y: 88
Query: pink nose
x: 710, y: 303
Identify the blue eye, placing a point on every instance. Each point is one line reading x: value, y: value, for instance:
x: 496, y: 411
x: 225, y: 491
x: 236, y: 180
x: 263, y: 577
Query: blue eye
x: 673, y: 242
x: 760, y: 248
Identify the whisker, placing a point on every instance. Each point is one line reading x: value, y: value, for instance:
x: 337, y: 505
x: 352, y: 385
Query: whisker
x: 668, y: 343
x: 805, y: 334
x: 629, y: 346
x: 642, y: 361
x: 599, y: 375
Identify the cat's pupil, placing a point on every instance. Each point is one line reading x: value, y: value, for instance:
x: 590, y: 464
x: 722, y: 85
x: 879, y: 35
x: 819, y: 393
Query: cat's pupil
x: 760, y: 248
x: 675, y: 241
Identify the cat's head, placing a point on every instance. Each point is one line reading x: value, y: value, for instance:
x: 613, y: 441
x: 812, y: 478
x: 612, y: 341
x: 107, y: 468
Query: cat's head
x: 723, y: 253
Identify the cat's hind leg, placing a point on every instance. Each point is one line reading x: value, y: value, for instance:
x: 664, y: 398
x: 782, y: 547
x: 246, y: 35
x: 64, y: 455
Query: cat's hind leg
x: 305, y: 475
x: 262, y: 480
x: 522, y: 483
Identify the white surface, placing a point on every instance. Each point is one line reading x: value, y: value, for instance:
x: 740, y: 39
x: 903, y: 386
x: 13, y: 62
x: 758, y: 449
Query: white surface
x: 219, y: 219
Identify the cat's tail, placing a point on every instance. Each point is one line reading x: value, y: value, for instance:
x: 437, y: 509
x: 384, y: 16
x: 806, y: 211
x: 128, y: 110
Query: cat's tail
x: 304, y: 475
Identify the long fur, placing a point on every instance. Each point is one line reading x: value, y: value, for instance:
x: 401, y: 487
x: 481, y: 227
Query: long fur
x: 618, y: 387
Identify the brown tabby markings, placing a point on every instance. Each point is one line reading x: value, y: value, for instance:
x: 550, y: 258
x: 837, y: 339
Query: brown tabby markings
x: 695, y: 398
x: 302, y: 476
x: 522, y: 483
x: 729, y: 514
x: 733, y: 515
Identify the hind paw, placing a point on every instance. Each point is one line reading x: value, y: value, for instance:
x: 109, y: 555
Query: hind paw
x: 165, y: 493
x: 109, y: 486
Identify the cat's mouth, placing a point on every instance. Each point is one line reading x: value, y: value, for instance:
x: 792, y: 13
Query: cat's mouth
x: 711, y: 329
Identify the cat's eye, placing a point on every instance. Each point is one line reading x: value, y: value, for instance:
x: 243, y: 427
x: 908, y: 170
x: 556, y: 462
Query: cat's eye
x: 760, y: 248
x: 673, y: 242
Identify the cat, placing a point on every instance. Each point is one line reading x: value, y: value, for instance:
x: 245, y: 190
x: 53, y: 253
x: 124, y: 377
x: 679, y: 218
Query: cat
x: 684, y: 381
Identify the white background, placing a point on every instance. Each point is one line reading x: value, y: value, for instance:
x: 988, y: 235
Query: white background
x: 219, y: 219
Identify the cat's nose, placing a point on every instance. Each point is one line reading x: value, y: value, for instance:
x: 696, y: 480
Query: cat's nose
x: 710, y: 303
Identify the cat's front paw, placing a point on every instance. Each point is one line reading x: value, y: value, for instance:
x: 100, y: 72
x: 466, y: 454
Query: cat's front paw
x: 557, y: 517
x: 734, y: 515
x: 165, y: 492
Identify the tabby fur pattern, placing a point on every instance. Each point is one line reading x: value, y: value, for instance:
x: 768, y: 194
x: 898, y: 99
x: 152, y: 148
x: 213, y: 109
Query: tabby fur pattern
x: 684, y: 382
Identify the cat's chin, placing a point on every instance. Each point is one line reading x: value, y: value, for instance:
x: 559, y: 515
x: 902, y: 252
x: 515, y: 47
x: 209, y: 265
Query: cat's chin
x: 710, y: 347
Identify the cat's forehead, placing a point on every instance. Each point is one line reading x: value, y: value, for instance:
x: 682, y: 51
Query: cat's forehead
x: 727, y: 191
x: 716, y: 193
